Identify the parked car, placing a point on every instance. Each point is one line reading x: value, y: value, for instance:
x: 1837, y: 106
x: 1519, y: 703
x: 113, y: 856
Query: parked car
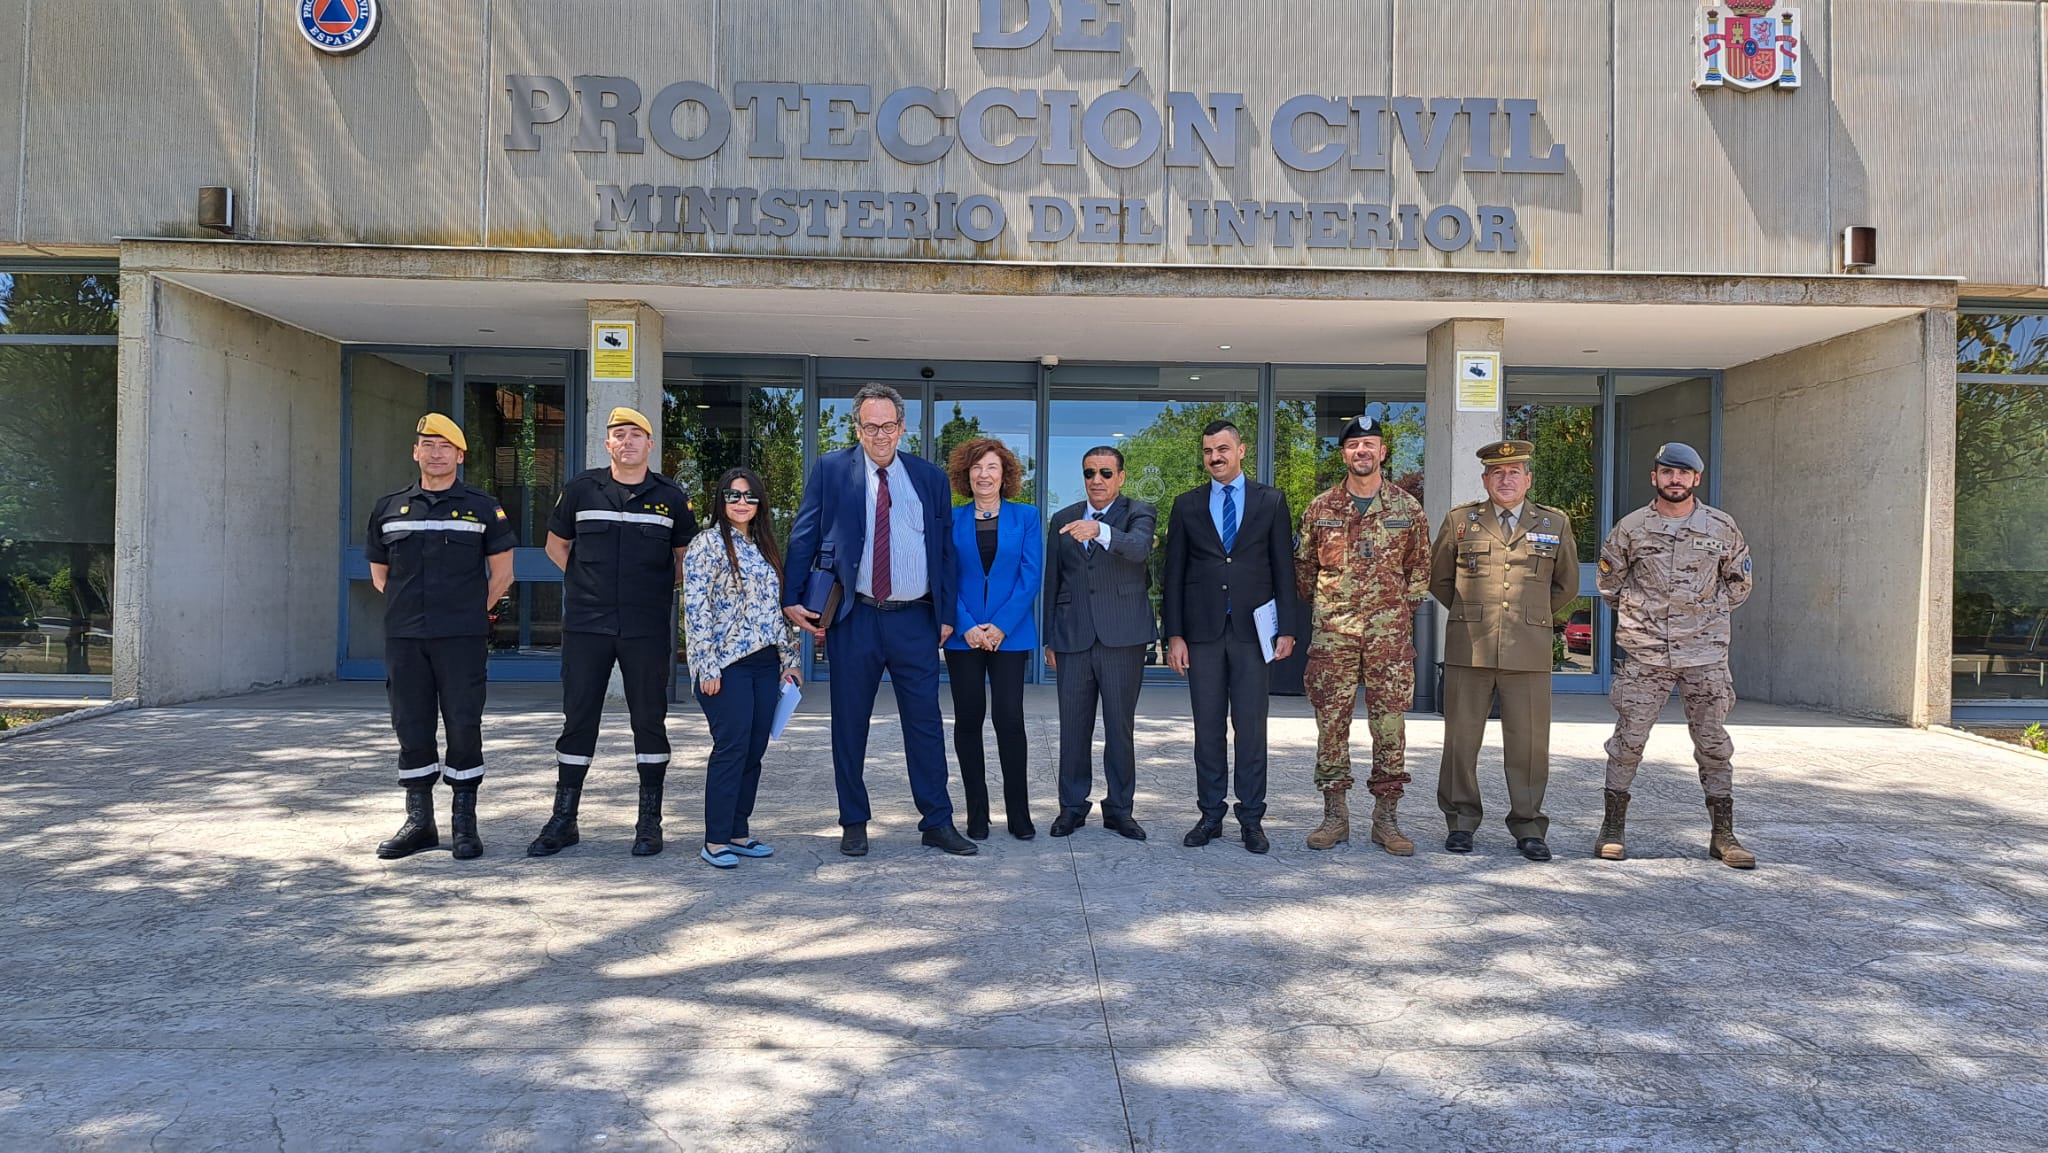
x: 1578, y: 632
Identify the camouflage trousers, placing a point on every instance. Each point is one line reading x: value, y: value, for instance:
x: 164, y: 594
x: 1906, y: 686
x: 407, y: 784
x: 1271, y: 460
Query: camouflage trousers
x: 1331, y: 680
x: 1639, y: 694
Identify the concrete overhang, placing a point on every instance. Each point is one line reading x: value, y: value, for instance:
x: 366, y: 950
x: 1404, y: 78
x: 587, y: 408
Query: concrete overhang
x: 938, y: 310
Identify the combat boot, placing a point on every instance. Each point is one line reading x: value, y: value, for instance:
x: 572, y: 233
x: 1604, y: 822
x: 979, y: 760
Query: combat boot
x: 462, y: 824
x: 1723, y: 846
x: 647, y: 830
x: 1336, y: 826
x: 560, y: 831
x: 1608, y: 845
x: 418, y: 831
x: 1385, y: 832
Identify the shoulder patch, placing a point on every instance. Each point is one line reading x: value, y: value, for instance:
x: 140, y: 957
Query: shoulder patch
x: 500, y: 510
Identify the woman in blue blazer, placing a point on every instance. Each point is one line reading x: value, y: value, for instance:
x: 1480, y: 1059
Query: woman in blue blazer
x: 999, y: 547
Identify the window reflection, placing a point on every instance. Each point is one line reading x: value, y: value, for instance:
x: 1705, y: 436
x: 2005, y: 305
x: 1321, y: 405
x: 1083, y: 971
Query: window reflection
x: 2001, y: 557
x: 57, y: 430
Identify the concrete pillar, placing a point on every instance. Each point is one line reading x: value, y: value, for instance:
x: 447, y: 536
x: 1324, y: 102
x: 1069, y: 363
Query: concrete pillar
x: 226, y: 566
x: 1453, y: 439
x: 645, y: 391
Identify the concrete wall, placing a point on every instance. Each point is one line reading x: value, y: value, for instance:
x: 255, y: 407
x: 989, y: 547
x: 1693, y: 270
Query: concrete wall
x: 1920, y: 117
x: 1682, y: 411
x: 229, y: 499
x: 1839, y: 465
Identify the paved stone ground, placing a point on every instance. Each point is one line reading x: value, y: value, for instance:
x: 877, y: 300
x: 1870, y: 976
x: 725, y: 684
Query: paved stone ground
x: 202, y: 953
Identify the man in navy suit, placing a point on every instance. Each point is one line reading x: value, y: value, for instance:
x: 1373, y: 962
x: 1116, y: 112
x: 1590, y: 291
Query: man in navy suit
x: 886, y: 521
x: 1229, y: 550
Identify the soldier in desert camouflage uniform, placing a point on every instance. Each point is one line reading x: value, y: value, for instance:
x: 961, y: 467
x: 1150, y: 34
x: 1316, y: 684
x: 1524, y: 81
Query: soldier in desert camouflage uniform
x: 1673, y: 571
x: 1364, y: 560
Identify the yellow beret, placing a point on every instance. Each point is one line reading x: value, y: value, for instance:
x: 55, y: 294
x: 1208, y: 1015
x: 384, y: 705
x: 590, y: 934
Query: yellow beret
x: 623, y: 415
x: 434, y: 424
x: 1507, y: 452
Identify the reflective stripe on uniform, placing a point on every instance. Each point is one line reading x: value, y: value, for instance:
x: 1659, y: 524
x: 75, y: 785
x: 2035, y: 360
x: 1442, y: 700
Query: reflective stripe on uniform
x: 422, y: 771
x: 566, y: 759
x: 449, y: 525
x: 626, y: 517
x: 652, y: 758
x: 463, y: 774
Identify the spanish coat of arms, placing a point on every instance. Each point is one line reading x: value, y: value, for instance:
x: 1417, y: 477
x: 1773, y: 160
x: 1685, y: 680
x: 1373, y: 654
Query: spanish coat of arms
x: 1748, y: 44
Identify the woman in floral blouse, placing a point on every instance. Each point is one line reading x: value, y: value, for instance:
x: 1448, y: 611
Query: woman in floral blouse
x: 741, y: 651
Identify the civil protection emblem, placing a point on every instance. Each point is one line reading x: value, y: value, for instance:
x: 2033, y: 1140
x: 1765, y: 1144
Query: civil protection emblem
x: 338, y: 27
x: 1748, y: 44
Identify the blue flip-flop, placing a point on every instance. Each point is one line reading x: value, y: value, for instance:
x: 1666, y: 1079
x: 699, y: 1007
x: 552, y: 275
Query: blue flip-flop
x: 723, y: 859
x: 752, y: 848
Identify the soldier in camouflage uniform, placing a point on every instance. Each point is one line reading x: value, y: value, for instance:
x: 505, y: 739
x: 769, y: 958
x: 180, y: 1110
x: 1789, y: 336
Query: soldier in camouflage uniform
x: 1363, y: 558
x: 1673, y: 571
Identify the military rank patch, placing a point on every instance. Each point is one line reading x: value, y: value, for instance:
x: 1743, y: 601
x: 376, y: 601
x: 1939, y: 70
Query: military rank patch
x: 501, y: 513
x: 404, y: 508
x: 1605, y: 565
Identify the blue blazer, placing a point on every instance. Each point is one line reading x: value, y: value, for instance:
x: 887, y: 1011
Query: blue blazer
x: 835, y: 511
x: 1007, y: 595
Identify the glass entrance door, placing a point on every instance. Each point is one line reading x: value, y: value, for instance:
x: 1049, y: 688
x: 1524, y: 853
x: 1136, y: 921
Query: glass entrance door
x: 518, y: 411
x: 1563, y: 415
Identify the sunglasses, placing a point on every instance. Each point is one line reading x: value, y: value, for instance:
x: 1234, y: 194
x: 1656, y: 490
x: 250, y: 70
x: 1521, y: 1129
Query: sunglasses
x: 741, y: 496
x: 1093, y: 473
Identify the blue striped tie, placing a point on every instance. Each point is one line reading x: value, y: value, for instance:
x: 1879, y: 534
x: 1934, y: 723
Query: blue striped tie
x: 1229, y: 519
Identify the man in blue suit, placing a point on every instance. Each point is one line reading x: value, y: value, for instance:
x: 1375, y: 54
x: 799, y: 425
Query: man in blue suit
x: 885, y: 522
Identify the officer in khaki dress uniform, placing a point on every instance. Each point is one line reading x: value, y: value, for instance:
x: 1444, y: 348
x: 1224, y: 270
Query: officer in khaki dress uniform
x: 1503, y: 567
x: 1363, y: 562
x: 1673, y: 571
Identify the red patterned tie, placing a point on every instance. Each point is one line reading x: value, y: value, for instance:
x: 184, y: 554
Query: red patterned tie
x: 881, y: 567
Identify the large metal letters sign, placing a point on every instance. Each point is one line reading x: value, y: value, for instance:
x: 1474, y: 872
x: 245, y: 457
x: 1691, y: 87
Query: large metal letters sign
x: 1748, y: 44
x: 1119, y: 124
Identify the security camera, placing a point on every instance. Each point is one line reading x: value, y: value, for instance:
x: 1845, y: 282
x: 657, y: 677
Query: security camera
x: 1049, y: 361
x: 927, y: 372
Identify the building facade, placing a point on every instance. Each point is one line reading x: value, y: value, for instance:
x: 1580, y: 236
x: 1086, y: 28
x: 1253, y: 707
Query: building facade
x: 236, y: 263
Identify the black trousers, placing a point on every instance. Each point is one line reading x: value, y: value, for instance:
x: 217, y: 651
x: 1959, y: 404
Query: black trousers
x: 1111, y: 677
x: 438, y: 679
x: 645, y: 664
x: 1228, y: 683
x: 976, y: 675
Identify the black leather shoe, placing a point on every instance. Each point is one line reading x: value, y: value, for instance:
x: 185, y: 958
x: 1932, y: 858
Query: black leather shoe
x: 1202, y: 834
x: 418, y: 831
x: 1534, y: 848
x: 1255, y: 839
x: 853, y: 839
x: 468, y: 846
x: 560, y: 831
x: 948, y: 838
x: 1458, y: 842
x: 1024, y: 832
x: 977, y: 827
x: 1125, y: 827
x: 1064, y: 824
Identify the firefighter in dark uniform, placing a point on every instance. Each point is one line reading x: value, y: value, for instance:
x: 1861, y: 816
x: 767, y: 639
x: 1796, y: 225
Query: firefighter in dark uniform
x: 618, y: 534
x: 441, y: 553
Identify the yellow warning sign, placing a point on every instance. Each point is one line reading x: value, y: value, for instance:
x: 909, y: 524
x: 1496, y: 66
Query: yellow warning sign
x: 611, y: 351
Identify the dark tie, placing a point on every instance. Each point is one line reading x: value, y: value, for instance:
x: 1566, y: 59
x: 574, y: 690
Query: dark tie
x: 1089, y: 545
x: 881, y: 568
x: 1229, y: 519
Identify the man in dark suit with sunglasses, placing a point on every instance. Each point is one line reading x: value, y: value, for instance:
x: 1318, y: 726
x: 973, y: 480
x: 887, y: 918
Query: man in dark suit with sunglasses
x: 1098, y: 607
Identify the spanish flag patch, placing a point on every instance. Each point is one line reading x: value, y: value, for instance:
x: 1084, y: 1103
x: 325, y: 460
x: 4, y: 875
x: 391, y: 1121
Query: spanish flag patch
x: 501, y: 513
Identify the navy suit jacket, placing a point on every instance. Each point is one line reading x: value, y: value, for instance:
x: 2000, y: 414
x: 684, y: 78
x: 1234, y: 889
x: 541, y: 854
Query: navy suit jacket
x: 1006, y: 595
x: 835, y: 511
x: 1201, y: 578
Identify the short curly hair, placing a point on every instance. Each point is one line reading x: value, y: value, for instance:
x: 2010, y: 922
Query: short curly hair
x: 967, y: 455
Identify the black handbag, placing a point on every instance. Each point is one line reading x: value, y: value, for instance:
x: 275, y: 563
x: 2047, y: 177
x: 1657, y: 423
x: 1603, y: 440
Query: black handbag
x: 821, y: 586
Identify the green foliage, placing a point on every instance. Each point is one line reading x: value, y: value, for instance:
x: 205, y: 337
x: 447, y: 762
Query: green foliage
x: 1567, y: 473
x: 2036, y: 737
x: 2001, y: 555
